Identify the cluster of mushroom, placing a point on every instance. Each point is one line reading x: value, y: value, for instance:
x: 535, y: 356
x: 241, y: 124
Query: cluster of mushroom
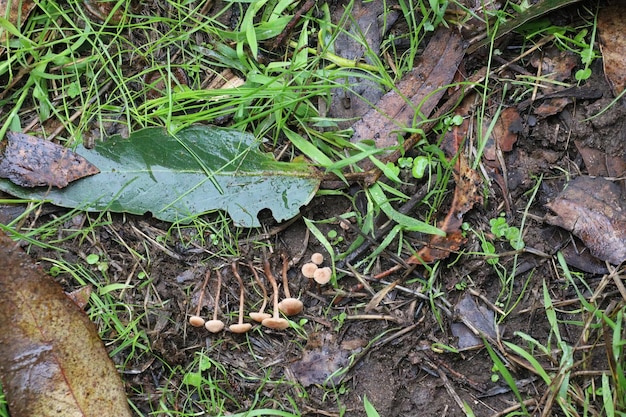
x: 312, y: 270
x: 289, y: 306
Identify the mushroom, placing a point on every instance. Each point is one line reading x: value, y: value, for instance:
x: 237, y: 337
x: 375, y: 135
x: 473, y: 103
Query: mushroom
x: 308, y: 269
x: 240, y: 327
x: 215, y: 325
x: 317, y: 258
x: 261, y: 314
x: 289, y: 305
x: 322, y: 275
x: 195, y: 320
x: 274, y: 322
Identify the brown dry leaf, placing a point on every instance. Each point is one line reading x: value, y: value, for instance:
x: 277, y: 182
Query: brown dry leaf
x: 422, y: 85
x: 552, y: 106
x: 504, y: 133
x: 32, y: 162
x: 52, y: 362
x: 593, y: 210
x: 466, y: 194
x: 598, y: 163
x: 612, y: 31
x: 469, y: 310
x: 18, y: 13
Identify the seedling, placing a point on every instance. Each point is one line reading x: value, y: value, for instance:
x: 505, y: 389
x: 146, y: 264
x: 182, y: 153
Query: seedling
x: 501, y: 229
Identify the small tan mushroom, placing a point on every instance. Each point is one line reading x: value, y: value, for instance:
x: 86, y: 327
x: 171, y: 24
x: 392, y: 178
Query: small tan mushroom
x: 196, y: 320
x: 317, y: 258
x: 240, y: 327
x: 215, y: 325
x: 274, y: 322
x: 323, y: 275
x: 261, y: 314
x: 308, y: 269
x: 289, y: 305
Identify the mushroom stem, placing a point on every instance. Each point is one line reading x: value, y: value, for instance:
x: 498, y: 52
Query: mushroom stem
x: 241, y: 290
x: 290, y: 306
x: 283, y: 256
x: 196, y: 320
x: 215, y: 325
x: 274, y: 322
x: 261, y: 315
x: 272, y: 280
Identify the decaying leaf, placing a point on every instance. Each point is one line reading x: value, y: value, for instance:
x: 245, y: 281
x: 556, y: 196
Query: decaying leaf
x: 504, y: 133
x: 174, y: 177
x: 18, y: 11
x: 32, y: 162
x: 612, y: 31
x: 599, y: 163
x: 471, y: 312
x: 422, y: 85
x: 52, y: 362
x: 593, y: 210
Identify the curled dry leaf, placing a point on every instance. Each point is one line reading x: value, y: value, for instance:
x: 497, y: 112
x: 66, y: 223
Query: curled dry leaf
x: 52, y: 362
x: 592, y: 209
x: 28, y: 161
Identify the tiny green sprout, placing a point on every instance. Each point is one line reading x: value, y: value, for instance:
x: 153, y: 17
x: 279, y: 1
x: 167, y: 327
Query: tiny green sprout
x: 494, y: 375
x: 54, y: 271
x: 92, y: 258
x: 405, y: 162
x: 419, y: 166
x: 460, y: 286
x: 490, y: 249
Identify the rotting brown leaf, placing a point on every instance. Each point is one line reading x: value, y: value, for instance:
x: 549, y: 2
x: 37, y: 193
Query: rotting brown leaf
x: 612, y: 31
x: 32, y: 162
x: 422, y: 85
x: 592, y: 209
x: 598, y: 163
x: 52, y: 362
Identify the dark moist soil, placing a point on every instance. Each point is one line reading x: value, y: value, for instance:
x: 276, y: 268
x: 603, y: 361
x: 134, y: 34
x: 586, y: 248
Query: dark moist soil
x: 387, y: 356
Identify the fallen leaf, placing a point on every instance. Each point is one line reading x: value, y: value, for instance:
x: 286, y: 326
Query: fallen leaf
x: 322, y: 358
x: 552, y: 106
x: 32, y: 162
x: 593, y: 210
x: 469, y: 311
x: 52, y: 362
x: 598, y: 163
x: 422, y: 85
x: 17, y: 14
x: 199, y: 169
x: 612, y: 31
x: 504, y: 133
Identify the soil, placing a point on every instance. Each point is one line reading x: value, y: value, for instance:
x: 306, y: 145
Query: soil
x: 392, y: 353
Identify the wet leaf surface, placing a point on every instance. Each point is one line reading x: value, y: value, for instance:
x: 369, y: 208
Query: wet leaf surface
x: 478, y: 316
x: 592, y: 209
x: 422, y: 85
x: 32, y: 162
x: 200, y: 169
x: 612, y: 31
x: 52, y: 361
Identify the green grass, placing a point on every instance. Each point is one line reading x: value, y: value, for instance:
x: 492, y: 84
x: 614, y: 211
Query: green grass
x: 74, y: 78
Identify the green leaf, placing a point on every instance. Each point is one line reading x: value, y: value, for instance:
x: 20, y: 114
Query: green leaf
x: 199, y: 169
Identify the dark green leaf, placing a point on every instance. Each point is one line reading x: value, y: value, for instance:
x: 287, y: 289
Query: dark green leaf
x: 199, y: 169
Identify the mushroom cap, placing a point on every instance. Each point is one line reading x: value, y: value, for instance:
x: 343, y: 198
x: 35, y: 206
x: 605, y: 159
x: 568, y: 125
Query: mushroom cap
x: 275, y: 323
x: 240, y: 328
x: 308, y: 269
x: 196, y: 321
x: 259, y: 317
x: 322, y: 275
x: 214, y: 326
x: 291, y: 306
x: 317, y: 258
